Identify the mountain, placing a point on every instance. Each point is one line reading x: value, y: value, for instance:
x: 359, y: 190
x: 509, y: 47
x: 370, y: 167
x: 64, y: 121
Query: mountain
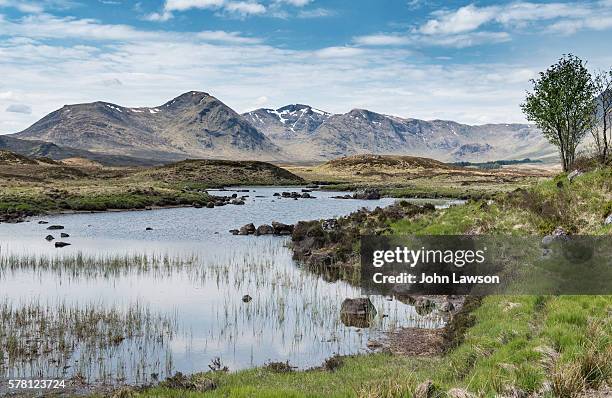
x: 310, y: 135
x: 43, y: 149
x: 194, y: 124
x: 198, y: 125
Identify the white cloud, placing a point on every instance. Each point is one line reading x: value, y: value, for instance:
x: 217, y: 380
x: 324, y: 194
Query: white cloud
x: 465, y: 19
x: 244, y: 8
x: 382, y: 40
x: 296, y: 3
x: 240, y: 8
x: 338, y: 52
x: 183, y: 5
x: 315, y: 13
x: 563, y: 17
x: 19, y: 108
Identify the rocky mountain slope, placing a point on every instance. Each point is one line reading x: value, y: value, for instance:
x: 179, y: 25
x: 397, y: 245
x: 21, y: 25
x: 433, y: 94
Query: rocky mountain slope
x: 193, y: 124
x: 325, y: 136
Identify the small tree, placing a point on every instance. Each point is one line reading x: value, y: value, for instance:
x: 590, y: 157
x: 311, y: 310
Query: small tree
x: 602, y: 128
x: 562, y: 105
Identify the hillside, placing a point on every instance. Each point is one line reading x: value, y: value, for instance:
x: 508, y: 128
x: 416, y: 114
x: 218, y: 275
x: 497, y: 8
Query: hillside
x: 40, y: 149
x: 215, y: 173
x: 193, y: 124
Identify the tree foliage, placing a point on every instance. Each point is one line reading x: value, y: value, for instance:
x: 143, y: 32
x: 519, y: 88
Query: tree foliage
x: 602, y: 129
x: 563, y: 105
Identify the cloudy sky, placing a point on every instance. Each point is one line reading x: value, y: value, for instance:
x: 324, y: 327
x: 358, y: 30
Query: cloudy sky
x: 459, y: 60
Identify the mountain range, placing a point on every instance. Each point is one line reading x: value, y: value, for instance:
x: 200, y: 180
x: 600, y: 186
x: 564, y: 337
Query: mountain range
x: 198, y: 125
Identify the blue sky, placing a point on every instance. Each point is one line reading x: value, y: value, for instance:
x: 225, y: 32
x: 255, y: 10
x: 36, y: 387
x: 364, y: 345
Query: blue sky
x: 468, y: 61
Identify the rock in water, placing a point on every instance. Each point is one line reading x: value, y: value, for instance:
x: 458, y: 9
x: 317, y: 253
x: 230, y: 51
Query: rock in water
x: 49, y: 238
x: 61, y: 244
x: 248, y: 229
x: 357, y: 312
x: 368, y: 194
x: 246, y: 298
x: 282, y: 229
x: 64, y: 235
x: 54, y: 227
x: 264, y: 229
x: 148, y: 229
x: 43, y: 222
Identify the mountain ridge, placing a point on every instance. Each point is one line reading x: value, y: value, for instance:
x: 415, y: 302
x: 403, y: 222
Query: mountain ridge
x: 198, y: 125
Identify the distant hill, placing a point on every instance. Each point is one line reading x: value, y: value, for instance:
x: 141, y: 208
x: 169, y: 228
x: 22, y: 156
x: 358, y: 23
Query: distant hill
x: 193, y: 124
x: 42, y: 149
x: 214, y: 172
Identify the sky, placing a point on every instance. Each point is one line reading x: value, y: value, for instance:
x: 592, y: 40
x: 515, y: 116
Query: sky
x: 468, y: 61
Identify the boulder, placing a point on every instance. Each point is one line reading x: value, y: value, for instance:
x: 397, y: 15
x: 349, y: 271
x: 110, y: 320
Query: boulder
x: 426, y: 389
x: 368, y: 194
x: 276, y: 194
x: 608, y: 219
x: 197, y: 205
x: 49, y: 238
x: 423, y: 306
x: 358, y: 306
x: 459, y: 393
x: 282, y: 229
x: 248, y: 229
x: 447, y: 306
x: 576, y: 173
x: 234, y: 231
x: 558, y: 233
x: 357, y: 312
x: 264, y: 229
x: 210, y: 205
x: 64, y: 235
x: 246, y: 298
x: 148, y: 229
x: 237, y: 202
x: 55, y: 227
x: 61, y: 244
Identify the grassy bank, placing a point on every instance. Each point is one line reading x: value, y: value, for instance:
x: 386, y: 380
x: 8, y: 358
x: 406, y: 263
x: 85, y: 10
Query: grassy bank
x: 37, y: 187
x: 513, y: 346
x: 413, y: 177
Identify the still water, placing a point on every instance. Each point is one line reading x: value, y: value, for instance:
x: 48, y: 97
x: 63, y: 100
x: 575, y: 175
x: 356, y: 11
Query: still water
x: 130, y: 304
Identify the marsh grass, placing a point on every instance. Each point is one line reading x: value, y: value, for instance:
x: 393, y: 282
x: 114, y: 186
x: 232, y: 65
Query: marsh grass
x: 89, y: 342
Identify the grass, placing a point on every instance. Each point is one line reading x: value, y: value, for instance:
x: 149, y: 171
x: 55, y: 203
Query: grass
x: 553, y: 346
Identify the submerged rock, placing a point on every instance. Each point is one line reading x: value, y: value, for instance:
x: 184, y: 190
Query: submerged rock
x: 43, y: 222
x: 55, y: 227
x: 357, y: 312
